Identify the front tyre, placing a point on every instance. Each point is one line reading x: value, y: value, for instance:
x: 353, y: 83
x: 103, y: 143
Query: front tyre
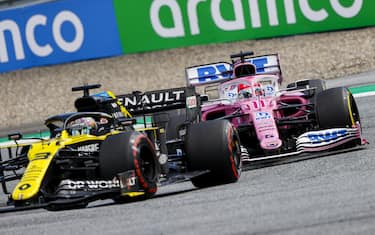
x: 130, y: 151
x: 214, y: 146
x: 336, y: 108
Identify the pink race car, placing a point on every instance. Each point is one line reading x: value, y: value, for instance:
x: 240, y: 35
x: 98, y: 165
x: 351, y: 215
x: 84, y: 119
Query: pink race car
x: 272, y: 123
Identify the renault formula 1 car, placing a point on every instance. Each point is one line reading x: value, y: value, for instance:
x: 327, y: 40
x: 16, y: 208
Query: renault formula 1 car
x: 273, y: 123
x: 90, y: 156
x: 95, y: 153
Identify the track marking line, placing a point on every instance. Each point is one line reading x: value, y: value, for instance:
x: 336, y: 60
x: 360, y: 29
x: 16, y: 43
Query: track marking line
x: 364, y: 94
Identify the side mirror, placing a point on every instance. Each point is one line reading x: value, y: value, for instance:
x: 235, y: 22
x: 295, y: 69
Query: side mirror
x: 126, y: 121
x: 15, y: 136
x: 204, y: 98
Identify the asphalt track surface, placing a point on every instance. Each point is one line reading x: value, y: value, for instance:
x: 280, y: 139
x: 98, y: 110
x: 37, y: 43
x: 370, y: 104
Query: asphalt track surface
x: 327, y: 195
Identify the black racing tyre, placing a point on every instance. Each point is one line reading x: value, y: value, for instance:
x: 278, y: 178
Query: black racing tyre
x: 336, y: 108
x: 130, y: 151
x: 175, y: 121
x: 171, y: 121
x: 318, y: 84
x: 214, y: 146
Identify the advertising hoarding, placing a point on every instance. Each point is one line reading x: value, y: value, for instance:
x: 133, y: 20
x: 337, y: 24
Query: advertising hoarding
x: 57, y: 32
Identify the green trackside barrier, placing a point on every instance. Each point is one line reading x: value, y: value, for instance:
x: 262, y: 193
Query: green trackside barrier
x: 362, y: 89
x: 139, y: 124
x: 162, y: 24
x: 43, y: 135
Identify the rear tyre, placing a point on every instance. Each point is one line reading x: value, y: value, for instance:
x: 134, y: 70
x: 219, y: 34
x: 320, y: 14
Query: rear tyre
x: 214, y: 146
x: 130, y: 151
x: 173, y: 125
x: 171, y: 121
x: 336, y: 108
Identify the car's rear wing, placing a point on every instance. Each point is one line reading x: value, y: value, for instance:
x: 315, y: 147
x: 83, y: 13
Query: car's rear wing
x: 140, y: 103
x: 222, y: 71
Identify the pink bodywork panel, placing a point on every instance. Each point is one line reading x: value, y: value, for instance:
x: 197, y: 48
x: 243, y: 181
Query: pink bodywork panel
x: 259, y: 110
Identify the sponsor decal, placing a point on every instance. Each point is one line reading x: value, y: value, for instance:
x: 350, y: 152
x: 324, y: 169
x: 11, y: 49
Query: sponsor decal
x: 191, y: 102
x: 57, y: 32
x: 176, y: 23
x: 32, y: 42
x: 89, y: 148
x: 272, y: 145
x: 269, y: 90
x: 131, y: 181
x: 269, y: 136
x: 40, y: 156
x: 24, y: 186
x: 213, y: 72
x: 217, y: 14
x: 128, y: 181
x: 221, y: 71
x: 326, y: 136
x: 152, y: 99
x: 231, y: 95
x: 117, y: 114
x: 92, y: 184
x: 163, y: 159
x: 262, y: 116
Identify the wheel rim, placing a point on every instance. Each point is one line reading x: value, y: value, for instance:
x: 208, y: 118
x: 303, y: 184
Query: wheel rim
x: 148, y: 165
x: 236, y: 153
x: 353, y: 110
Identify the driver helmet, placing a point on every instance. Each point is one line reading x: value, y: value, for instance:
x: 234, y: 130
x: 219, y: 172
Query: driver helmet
x: 258, y: 89
x: 84, y: 125
x: 244, y: 90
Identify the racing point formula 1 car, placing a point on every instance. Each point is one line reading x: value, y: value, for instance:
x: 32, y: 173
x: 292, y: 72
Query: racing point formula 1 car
x: 274, y: 123
x: 95, y: 153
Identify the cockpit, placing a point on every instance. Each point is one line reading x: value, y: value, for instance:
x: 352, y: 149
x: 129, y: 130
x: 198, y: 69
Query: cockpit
x: 83, y: 126
x: 244, y: 69
x: 84, y: 123
x: 89, y: 125
x: 248, y: 88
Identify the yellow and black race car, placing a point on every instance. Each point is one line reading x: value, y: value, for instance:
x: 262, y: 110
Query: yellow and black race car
x: 95, y: 153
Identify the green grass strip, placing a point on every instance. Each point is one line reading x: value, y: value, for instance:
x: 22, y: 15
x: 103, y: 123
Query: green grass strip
x: 362, y: 89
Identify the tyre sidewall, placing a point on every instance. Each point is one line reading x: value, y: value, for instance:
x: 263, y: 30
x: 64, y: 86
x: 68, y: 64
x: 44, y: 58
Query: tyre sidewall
x: 334, y: 108
x: 214, y: 146
x: 123, y: 152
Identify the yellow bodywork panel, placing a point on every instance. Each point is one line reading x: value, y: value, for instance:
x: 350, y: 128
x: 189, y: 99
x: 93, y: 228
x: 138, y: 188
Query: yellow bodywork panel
x: 122, y: 108
x: 133, y: 194
x: 40, y: 157
x: 42, y: 153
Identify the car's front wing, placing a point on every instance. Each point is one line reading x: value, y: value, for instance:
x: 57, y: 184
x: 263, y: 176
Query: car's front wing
x: 314, y: 144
